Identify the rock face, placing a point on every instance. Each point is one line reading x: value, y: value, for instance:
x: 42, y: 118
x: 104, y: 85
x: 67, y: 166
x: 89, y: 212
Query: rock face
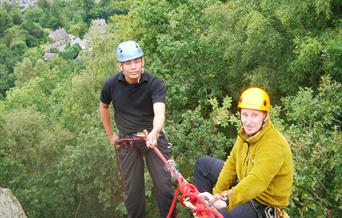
x: 9, y: 205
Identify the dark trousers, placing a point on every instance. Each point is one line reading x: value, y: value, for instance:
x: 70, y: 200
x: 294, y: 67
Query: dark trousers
x: 206, y: 173
x: 131, y: 163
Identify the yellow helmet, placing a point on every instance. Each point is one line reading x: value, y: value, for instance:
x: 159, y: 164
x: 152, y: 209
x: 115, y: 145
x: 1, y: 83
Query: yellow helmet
x: 255, y: 98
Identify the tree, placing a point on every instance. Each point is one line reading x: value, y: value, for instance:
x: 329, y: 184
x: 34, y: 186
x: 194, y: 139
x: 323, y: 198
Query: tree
x: 314, y: 130
x: 23, y: 72
x: 54, y: 23
x: 87, y: 177
x: 79, y: 29
x: 71, y: 52
x: 33, y: 14
x: 5, y: 21
x: 16, y: 15
x: 34, y: 54
x: 6, y: 81
x: 207, y: 52
x: 18, y: 48
x: 44, y: 4
x: 35, y: 32
x: 276, y: 46
x: 24, y: 145
x: 5, y: 56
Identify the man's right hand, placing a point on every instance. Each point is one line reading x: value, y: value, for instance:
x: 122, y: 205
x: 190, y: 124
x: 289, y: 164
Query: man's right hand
x: 213, y: 200
x: 114, y: 140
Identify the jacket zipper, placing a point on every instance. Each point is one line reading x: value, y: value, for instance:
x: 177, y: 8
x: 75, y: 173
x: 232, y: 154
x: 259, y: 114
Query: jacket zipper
x: 245, y: 162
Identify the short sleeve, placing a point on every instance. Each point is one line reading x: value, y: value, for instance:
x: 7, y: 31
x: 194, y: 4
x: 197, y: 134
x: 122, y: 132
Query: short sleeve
x: 158, y: 91
x: 105, y: 95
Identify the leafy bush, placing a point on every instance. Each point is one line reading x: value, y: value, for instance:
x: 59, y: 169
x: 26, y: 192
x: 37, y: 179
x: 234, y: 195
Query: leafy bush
x: 71, y: 52
x: 314, y: 130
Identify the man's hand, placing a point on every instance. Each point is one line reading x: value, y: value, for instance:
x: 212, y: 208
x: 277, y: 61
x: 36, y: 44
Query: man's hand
x: 114, y: 140
x: 213, y: 200
x: 151, y: 139
x: 219, y: 204
x: 207, y: 197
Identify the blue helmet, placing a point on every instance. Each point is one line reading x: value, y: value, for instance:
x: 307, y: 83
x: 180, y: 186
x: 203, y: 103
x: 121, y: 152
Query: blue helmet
x: 128, y: 50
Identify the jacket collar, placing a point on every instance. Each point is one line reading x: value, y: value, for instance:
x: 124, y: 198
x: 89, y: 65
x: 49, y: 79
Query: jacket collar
x: 256, y: 137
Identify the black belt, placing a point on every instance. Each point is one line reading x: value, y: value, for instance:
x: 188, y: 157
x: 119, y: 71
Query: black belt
x: 259, y: 208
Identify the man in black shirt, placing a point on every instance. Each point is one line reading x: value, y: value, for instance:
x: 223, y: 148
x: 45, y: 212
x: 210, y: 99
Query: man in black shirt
x: 138, y: 100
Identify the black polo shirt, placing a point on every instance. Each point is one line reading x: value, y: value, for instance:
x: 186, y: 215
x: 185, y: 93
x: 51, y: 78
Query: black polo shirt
x: 133, y: 103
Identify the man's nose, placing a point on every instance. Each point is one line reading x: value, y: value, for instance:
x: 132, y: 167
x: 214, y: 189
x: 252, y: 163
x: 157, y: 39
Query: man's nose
x: 248, y: 119
x: 133, y: 65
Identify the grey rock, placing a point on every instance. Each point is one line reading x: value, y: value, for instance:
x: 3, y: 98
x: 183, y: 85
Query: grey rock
x: 10, y: 207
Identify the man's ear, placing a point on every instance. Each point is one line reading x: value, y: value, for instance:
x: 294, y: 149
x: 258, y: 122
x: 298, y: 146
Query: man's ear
x: 267, y: 114
x: 120, y: 66
x: 142, y: 64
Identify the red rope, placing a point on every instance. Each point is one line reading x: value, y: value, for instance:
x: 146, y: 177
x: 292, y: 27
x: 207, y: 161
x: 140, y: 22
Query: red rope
x: 189, y: 197
x: 174, y: 202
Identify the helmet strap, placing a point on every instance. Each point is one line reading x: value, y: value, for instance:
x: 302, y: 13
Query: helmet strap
x: 263, y: 123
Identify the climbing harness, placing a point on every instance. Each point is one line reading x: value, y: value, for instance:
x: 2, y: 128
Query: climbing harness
x: 273, y: 212
x: 189, y: 193
x: 268, y: 211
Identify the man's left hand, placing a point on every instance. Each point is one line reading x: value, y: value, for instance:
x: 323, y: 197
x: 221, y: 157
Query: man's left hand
x: 151, y: 140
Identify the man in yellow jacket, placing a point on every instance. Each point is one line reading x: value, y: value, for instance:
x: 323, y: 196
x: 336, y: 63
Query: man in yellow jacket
x: 260, y: 160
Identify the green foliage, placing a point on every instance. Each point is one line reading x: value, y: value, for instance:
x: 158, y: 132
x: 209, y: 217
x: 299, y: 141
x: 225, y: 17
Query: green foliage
x: 13, y: 173
x: 79, y: 29
x: 34, y: 54
x: 26, y: 132
x: 71, y: 52
x: 6, y: 81
x: 54, y: 151
x: 16, y: 15
x: 332, y: 56
x: 255, y: 42
x: 86, y: 177
x: 23, y: 72
x: 27, y: 26
x: 35, y: 33
x: 5, y: 55
x: 18, y: 48
x: 314, y: 131
x: 194, y: 137
x: 5, y: 21
x: 171, y: 36
x: 14, y: 33
x: 53, y: 22
x: 32, y: 14
x: 221, y: 115
x: 308, y: 61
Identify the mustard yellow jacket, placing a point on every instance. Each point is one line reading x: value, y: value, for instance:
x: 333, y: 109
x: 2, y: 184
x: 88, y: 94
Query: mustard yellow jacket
x: 264, y: 166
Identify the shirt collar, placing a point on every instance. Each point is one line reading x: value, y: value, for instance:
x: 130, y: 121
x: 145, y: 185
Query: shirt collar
x: 144, y: 77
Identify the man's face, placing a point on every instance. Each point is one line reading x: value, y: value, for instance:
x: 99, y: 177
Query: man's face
x: 132, y: 69
x: 252, y: 120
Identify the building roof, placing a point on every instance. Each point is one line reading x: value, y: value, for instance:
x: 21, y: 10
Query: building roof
x: 48, y: 56
x: 59, y: 34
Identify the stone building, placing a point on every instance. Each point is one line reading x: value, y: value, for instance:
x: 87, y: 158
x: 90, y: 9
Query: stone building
x: 60, y: 39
